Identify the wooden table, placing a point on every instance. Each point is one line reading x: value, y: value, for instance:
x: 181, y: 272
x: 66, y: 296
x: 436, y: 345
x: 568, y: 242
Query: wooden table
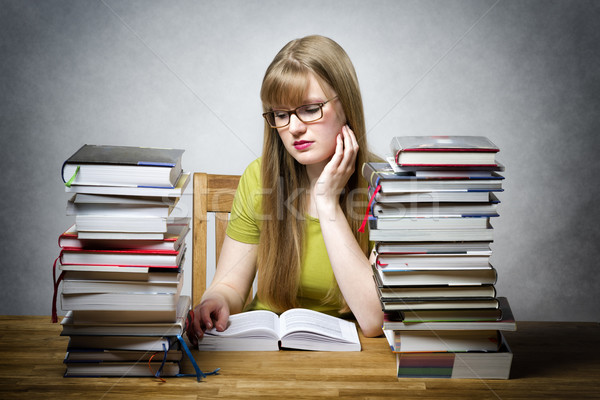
x: 552, y: 360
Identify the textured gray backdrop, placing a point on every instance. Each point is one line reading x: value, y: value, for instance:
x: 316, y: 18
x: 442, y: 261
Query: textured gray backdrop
x: 186, y: 74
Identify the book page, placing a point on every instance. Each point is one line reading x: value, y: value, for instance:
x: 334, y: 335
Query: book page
x: 249, y: 324
x: 302, y: 320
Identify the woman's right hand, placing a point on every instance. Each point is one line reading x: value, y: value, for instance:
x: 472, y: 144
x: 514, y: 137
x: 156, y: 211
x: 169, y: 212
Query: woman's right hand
x: 228, y: 290
x: 213, y: 311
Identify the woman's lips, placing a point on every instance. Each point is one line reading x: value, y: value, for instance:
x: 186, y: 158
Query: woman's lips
x: 302, y: 144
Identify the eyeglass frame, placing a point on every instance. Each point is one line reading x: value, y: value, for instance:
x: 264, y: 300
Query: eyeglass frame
x: 294, y: 111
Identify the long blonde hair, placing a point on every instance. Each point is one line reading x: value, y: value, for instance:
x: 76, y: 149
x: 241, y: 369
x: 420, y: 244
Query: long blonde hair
x: 281, y: 241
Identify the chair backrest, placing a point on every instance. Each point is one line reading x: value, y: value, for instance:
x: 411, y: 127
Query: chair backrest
x: 212, y: 194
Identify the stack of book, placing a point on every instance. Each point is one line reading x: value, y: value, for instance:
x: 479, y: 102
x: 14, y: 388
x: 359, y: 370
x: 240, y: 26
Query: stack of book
x: 121, y: 263
x: 430, y: 216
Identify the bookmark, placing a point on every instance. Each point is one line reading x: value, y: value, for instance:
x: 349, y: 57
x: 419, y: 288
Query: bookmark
x: 365, y: 219
x: 70, y: 181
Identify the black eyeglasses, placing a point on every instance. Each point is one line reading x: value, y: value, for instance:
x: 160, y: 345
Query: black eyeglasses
x: 305, y: 113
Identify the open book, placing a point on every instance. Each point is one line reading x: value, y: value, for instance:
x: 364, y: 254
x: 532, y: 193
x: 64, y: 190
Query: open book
x: 295, y: 329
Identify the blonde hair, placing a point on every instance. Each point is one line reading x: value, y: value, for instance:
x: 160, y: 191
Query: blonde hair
x: 281, y: 241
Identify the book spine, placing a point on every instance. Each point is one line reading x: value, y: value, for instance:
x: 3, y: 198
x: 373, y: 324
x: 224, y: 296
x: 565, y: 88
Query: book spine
x: 370, y: 174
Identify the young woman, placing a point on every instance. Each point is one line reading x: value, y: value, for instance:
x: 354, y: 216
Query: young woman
x: 297, y: 210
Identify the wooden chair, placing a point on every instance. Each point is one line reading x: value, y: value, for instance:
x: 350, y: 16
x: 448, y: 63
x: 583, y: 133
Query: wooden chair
x: 212, y: 193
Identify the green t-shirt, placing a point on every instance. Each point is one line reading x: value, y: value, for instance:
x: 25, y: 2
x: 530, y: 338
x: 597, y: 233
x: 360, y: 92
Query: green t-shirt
x: 316, y: 276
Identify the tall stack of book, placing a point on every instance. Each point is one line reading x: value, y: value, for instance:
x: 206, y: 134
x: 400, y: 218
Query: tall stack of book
x: 430, y: 217
x: 121, y: 263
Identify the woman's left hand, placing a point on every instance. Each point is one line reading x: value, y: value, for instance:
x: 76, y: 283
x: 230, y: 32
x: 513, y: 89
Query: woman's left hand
x: 340, y: 168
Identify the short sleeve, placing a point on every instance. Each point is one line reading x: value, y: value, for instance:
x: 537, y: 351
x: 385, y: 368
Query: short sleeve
x: 243, y: 224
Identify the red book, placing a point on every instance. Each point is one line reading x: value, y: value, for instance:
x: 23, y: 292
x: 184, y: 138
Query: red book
x: 172, y: 240
x: 444, y: 151
x: 131, y: 258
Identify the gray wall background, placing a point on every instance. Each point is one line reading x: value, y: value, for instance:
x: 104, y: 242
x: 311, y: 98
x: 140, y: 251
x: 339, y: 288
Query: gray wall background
x: 186, y: 74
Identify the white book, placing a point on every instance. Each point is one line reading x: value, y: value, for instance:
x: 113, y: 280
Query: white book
x: 404, y: 262
x: 469, y: 248
x: 432, y: 223
x: 95, y: 235
x: 121, y: 301
x: 434, y: 197
x: 87, y: 198
x: 120, y: 223
x: 177, y: 191
x: 390, y: 305
x: 75, y: 282
x: 71, y: 328
x: 116, y: 273
x: 437, y: 235
x: 177, y: 229
x: 148, y: 343
x: 164, y: 259
x: 400, y: 293
x: 433, y: 210
x: 435, y: 277
x: 120, y: 210
x: 124, y: 316
x: 442, y: 341
x: 296, y: 328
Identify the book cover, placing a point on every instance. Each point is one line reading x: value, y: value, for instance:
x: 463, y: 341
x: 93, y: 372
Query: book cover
x: 451, y: 142
x: 125, y: 155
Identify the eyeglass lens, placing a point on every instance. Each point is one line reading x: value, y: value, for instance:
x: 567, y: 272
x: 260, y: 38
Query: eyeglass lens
x: 306, y: 113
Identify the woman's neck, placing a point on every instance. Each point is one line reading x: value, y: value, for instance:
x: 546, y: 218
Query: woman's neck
x: 314, y: 171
